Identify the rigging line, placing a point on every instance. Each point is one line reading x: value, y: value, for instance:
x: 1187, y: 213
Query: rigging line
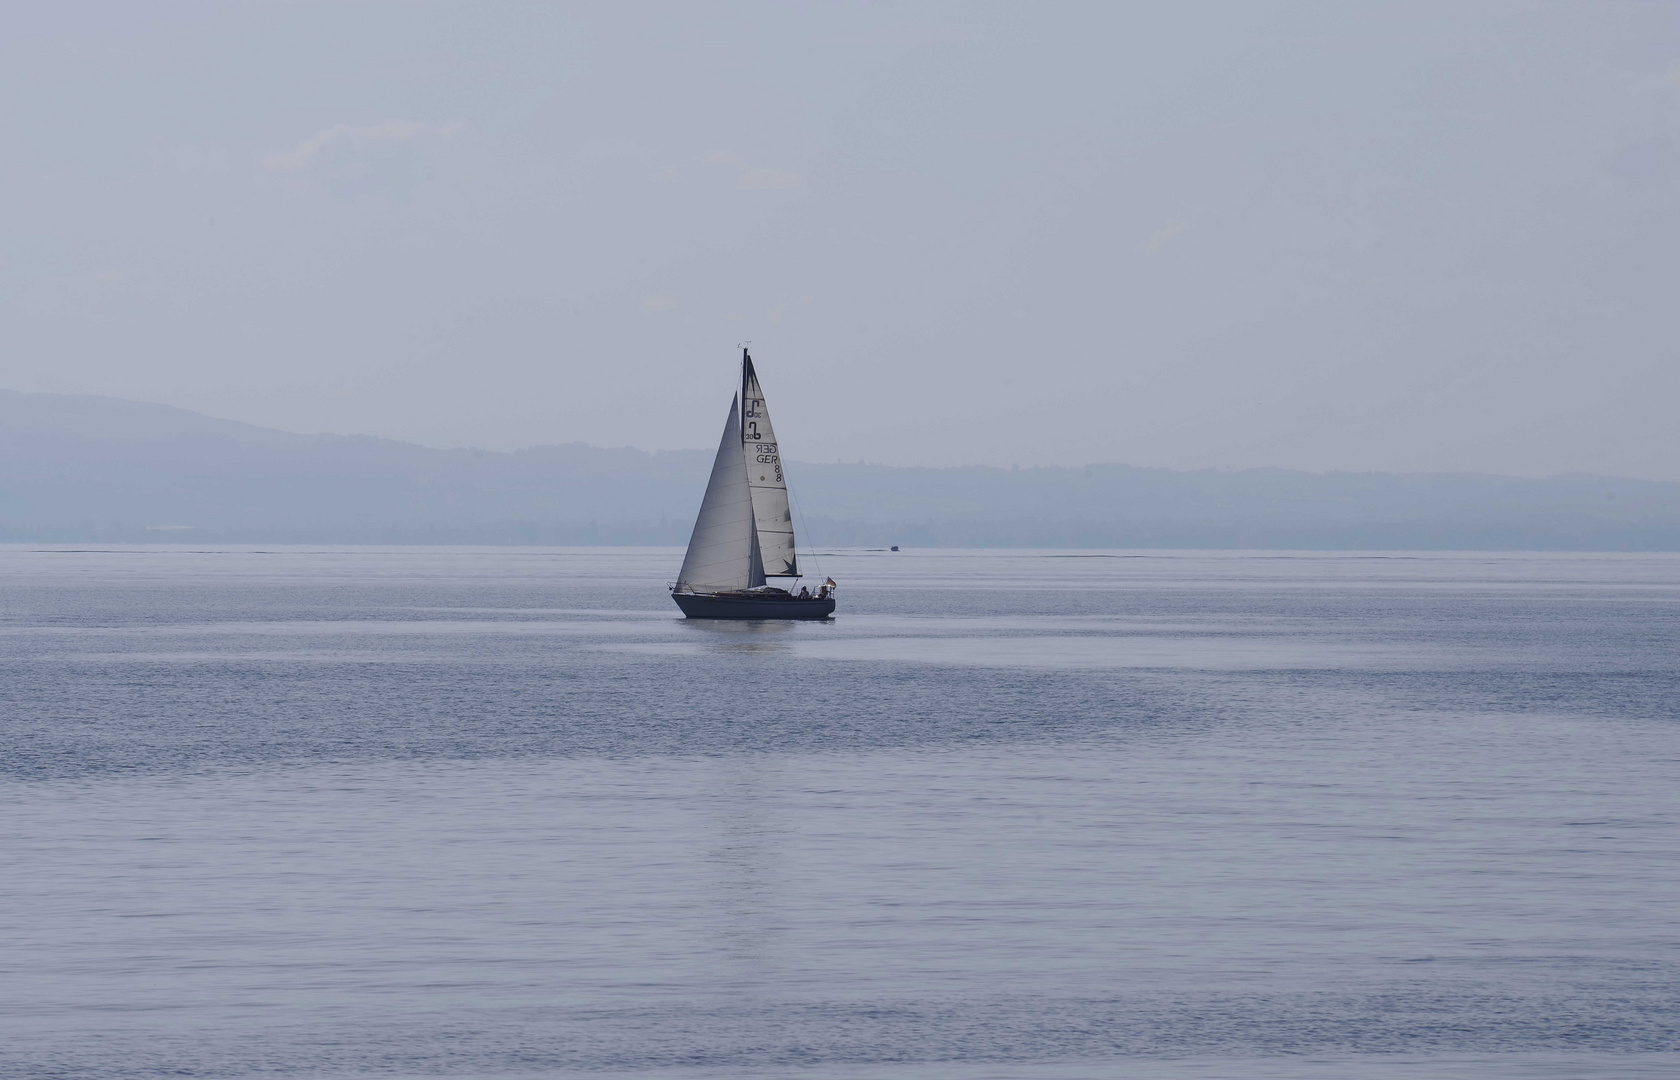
x: 806, y: 529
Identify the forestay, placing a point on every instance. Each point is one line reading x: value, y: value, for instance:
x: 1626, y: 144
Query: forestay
x: 723, y: 551
x: 764, y: 476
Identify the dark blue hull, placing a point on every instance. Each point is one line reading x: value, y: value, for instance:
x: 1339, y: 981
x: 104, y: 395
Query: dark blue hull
x: 742, y: 606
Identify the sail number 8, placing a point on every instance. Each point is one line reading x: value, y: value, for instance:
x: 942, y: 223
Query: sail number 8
x: 767, y: 456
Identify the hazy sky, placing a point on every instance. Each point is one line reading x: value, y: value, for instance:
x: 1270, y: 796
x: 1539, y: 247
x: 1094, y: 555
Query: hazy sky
x: 1325, y: 236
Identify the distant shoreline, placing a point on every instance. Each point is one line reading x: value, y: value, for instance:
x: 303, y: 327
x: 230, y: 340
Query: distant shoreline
x: 103, y: 470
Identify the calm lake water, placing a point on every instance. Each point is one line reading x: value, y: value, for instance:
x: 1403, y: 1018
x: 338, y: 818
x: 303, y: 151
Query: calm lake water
x: 503, y: 813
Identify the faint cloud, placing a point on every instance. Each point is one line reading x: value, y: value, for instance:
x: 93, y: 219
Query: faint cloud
x: 750, y: 178
x: 615, y: 148
x: 1162, y: 238
x: 1648, y: 162
x: 767, y: 179
x: 307, y: 152
x: 776, y: 313
x: 388, y: 161
x: 1648, y: 81
x: 190, y: 159
x: 724, y: 157
x: 662, y: 302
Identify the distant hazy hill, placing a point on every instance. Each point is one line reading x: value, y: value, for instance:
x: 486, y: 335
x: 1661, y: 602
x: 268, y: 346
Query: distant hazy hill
x: 76, y: 468
x: 90, y: 468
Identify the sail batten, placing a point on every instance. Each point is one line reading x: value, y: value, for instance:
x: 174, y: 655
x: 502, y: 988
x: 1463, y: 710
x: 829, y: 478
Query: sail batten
x: 772, y: 518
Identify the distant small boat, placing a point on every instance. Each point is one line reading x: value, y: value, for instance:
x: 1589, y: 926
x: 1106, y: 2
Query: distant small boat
x: 744, y: 533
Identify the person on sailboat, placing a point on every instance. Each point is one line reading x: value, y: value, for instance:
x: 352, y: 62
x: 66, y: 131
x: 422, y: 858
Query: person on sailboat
x: 804, y: 592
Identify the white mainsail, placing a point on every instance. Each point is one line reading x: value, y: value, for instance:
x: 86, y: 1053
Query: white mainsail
x: 723, y: 551
x: 764, y: 476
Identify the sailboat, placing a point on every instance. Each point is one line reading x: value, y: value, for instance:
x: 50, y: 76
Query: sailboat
x: 744, y: 534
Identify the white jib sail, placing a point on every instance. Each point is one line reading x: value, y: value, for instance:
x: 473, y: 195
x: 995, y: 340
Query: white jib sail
x: 722, y: 555
x: 764, y: 477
